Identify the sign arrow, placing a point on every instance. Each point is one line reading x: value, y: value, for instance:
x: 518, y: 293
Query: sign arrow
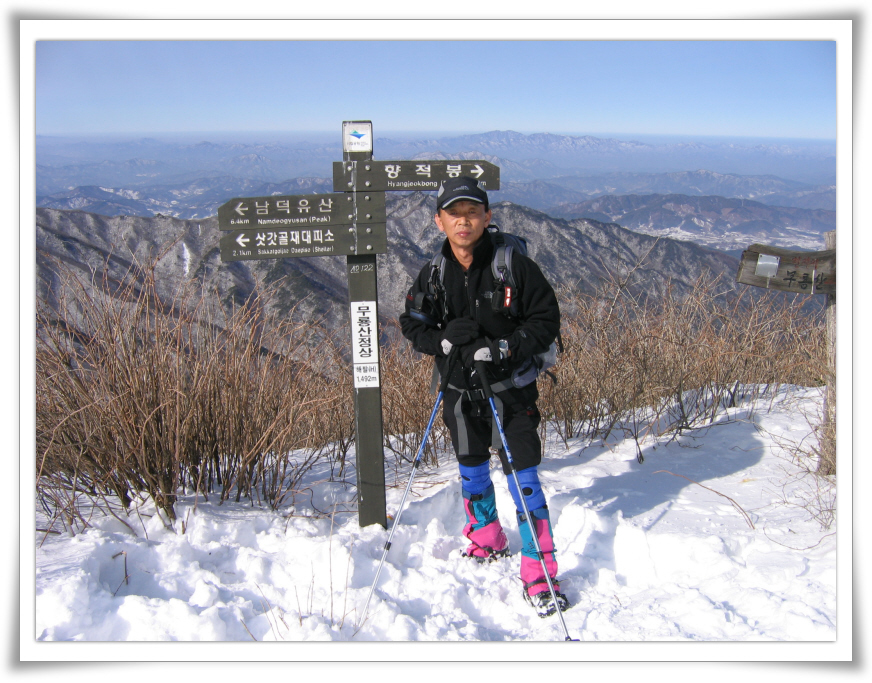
x: 406, y: 175
x: 282, y: 243
x: 302, y: 211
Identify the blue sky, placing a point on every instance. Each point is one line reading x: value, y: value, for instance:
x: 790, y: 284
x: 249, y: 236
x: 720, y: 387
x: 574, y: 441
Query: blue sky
x: 730, y: 87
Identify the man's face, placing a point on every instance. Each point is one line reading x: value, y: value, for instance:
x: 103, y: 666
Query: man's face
x: 463, y: 223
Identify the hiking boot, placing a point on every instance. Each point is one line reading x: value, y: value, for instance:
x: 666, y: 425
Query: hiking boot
x: 543, y: 602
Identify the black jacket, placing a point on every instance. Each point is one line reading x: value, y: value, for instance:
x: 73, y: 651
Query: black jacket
x: 468, y: 294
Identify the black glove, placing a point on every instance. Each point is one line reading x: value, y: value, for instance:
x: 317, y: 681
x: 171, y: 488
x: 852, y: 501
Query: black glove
x: 482, y: 349
x: 458, y: 332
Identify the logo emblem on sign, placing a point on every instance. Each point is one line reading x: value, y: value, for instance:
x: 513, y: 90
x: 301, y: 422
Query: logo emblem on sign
x: 357, y: 135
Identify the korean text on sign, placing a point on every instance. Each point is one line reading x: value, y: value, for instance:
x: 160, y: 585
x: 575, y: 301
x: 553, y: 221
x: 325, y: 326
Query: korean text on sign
x: 364, y: 331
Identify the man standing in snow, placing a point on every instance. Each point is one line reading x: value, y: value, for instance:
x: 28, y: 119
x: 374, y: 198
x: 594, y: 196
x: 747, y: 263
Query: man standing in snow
x: 463, y: 307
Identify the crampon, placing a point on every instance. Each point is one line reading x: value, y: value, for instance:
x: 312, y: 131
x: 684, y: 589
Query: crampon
x: 543, y: 602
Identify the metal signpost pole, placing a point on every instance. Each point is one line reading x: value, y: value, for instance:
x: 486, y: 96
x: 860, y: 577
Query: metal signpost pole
x: 363, y: 298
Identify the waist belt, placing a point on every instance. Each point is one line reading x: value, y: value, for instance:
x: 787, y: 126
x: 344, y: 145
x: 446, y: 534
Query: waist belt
x: 473, y: 394
x: 479, y: 395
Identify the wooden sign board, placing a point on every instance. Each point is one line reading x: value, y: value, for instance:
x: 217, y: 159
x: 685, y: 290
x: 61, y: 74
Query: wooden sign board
x: 799, y: 272
x: 408, y: 175
x: 296, y: 242
x: 301, y: 211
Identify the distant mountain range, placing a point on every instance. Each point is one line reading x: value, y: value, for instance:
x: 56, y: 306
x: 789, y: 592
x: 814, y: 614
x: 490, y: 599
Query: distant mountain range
x: 557, y: 174
x: 198, y: 198
x: 717, y: 222
x: 805, y: 161
x: 713, y: 221
x: 64, y: 163
x: 578, y: 253
x: 767, y: 189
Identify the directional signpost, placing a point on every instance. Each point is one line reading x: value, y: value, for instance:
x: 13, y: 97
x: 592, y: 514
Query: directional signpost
x: 378, y: 176
x: 800, y: 272
x: 305, y: 210
x: 302, y: 225
x: 351, y: 222
x: 803, y: 272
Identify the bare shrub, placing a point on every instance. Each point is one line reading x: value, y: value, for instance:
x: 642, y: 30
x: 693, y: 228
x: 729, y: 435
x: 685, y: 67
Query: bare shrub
x: 139, y: 394
x: 658, y: 365
x: 408, y: 402
x: 804, y: 485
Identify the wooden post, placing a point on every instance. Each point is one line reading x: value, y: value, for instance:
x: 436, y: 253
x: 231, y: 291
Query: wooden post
x: 809, y: 272
x: 827, y: 464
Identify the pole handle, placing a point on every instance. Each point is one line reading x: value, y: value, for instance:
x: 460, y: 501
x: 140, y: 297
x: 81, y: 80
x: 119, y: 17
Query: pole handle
x: 481, y: 369
x: 449, y: 367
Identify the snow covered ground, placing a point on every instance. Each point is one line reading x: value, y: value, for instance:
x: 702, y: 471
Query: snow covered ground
x: 645, y: 555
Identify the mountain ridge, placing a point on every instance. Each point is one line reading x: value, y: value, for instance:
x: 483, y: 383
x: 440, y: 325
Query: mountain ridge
x: 580, y: 254
x: 723, y: 223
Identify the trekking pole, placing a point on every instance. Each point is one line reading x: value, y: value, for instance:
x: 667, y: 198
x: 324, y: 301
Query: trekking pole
x: 452, y: 357
x: 482, y: 372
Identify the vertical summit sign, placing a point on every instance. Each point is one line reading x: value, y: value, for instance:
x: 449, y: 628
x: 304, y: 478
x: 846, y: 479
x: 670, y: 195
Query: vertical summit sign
x: 351, y: 222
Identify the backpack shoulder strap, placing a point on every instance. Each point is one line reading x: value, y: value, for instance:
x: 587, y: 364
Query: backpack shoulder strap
x: 437, y: 273
x: 504, y: 247
x: 435, y: 289
x: 501, y: 266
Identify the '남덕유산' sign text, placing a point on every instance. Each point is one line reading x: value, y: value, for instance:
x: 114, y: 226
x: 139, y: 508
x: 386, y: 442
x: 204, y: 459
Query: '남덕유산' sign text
x: 300, y: 211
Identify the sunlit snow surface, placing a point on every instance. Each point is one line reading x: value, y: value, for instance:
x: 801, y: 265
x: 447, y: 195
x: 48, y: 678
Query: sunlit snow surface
x: 644, y: 555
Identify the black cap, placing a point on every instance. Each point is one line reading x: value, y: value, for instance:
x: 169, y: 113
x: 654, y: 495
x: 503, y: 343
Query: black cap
x: 455, y: 189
